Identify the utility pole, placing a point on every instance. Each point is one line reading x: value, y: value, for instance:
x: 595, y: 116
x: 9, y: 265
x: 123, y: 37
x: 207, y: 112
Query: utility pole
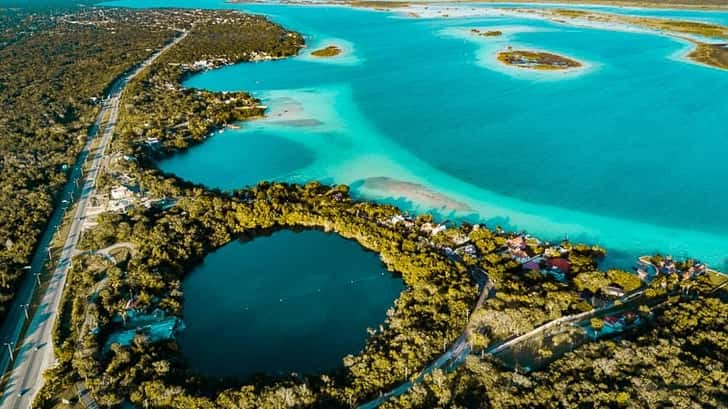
x: 10, y: 350
x: 25, y: 310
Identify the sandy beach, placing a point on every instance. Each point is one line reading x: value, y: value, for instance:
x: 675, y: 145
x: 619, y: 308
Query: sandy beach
x: 414, y: 192
x: 285, y: 111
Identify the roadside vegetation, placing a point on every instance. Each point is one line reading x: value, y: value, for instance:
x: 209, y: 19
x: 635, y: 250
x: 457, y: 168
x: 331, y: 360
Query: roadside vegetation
x: 678, y: 359
x: 476, y: 280
x: 54, y: 68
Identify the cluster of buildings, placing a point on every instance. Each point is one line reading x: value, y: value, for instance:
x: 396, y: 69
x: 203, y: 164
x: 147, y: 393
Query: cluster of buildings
x: 668, y: 266
x: 460, y: 246
x: 202, y: 65
x: 553, y: 261
x: 124, y: 194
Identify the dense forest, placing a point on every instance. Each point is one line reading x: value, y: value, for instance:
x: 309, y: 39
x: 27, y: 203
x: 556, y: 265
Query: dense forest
x: 677, y: 357
x: 678, y: 361
x: 432, y: 310
x: 52, y: 66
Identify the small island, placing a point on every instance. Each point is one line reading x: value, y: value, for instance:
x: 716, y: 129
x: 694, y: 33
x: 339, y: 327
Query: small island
x: 329, y: 51
x: 489, y: 33
x: 537, y: 60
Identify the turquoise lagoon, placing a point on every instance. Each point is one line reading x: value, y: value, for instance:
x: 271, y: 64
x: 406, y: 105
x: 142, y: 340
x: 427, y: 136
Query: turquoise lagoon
x: 291, y: 302
x: 628, y: 153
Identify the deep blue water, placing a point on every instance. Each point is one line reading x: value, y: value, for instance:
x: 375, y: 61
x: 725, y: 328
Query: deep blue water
x: 628, y: 153
x: 291, y: 302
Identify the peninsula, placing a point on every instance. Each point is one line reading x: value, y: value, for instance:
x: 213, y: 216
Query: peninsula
x: 715, y: 55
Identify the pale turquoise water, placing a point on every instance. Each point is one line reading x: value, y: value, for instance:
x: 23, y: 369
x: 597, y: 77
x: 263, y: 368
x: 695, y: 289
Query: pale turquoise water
x: 291, y: 302
x: 628, y: 153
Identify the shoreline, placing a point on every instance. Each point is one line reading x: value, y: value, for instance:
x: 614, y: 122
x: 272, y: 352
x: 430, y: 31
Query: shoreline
x: 491, y: 47
x: 389, y: 5
x: 711, y: 55
x: 697, y: 33
x: 374, y: 226
x: 622, y: 235
x: 706, y: 50
x: 550, y: 224
x: 612, y: 3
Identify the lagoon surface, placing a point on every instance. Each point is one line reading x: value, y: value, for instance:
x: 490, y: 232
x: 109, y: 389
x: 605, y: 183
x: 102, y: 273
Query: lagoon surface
x: 291, y: 302
x: 628, y: 152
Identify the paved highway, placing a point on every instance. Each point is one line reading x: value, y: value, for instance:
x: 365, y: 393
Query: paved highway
x: 34, y: 352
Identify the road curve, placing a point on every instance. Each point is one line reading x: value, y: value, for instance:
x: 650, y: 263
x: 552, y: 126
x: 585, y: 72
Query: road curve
x: 35, y: 352
x: 456, y: 353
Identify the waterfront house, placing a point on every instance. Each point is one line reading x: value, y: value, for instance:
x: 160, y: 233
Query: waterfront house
x: 560, y: 264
